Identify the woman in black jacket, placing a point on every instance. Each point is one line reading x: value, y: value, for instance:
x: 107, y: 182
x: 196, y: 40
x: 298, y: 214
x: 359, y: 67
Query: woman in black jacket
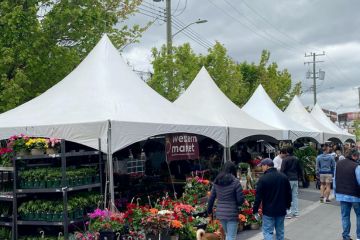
x: 228, y: 192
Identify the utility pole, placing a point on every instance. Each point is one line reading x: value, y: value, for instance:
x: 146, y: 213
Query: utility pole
x: 314, y: 55
x: 168, y: 27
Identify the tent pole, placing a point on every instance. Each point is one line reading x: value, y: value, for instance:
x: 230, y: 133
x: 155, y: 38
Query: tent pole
x: 110, y: 168
x: 228, y: 144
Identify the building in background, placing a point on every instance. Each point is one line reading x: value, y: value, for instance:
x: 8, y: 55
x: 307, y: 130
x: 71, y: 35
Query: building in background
x: 331, y: 114
x: 346, y: 120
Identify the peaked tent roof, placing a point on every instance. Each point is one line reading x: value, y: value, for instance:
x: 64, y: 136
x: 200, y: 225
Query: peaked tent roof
x: 260, y: 106
x: 297, y: 112
x: 101, y: 91
x: 204, y: 98
x: 321, y: 117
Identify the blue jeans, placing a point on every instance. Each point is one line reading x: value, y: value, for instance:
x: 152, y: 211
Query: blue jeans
x: 269, y: 223
x: 294, y: 210
x: 345, y: 218
x: 230, y: 229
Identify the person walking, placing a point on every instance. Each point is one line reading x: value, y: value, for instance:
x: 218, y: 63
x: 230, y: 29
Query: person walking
x: 292, y: 169
x: 279, y: 158
x: 274, y: 192
x: 228, y: 192
x: 325, y: 166
x: 347, y: 191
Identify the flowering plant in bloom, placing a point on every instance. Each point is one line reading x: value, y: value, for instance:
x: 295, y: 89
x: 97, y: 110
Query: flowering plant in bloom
x: 134, y: 215
x: 88, y: 235
x: 104, y: 220
x: 17, y: 142
x: 255, y: 162
x: 195, y: 188
x: 53, y: 142
x: 6, y: 155
x: 37, y: 143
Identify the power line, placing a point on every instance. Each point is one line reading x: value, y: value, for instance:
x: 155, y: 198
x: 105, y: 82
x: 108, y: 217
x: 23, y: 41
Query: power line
x: 191, y: 36
x: 266, y: 33
x: 182, y: 10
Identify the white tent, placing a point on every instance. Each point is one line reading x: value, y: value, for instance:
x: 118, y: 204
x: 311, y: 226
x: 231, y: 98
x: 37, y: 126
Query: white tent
x: 103, y: 98
x: 204, y: 98
x: 103, y: 93
x: 297, y: 112
x: 260, y: 106
x: 321, y: 117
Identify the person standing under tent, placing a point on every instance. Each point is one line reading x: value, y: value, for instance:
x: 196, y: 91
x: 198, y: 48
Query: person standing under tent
x: 279, y: 158
x: 347, y: 191
x: 274, y: 192
x: 325, y: 166
x: 291, y: 168
x: 228, y: 192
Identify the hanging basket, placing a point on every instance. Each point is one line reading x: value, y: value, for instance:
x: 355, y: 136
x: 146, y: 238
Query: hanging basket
x: 254, y: 226
x: 22, y: 153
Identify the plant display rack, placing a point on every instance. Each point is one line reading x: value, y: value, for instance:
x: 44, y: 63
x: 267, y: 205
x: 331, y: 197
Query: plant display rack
x: 14, y: 196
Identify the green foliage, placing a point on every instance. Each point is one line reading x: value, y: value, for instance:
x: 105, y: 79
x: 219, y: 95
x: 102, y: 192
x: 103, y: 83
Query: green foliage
x: 41, y: 41
x: 5, y: 233
x: 307, y: 157
x: 174, y: 73
x: 357, y: 129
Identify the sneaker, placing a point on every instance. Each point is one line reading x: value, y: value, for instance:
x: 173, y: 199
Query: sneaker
x: 327, y: 201
x: 321, y: 199
x: 288, y: 216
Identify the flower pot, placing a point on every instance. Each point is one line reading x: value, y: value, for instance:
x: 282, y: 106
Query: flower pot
x: 174, y: 237
x: 254, y: 226
x: 22, y: 153
x: 52, y: 151
x: 241, y: 227
x: 36, y: 151
x: 42, y: 184
x: 105, y: 235
x: 49, y: 217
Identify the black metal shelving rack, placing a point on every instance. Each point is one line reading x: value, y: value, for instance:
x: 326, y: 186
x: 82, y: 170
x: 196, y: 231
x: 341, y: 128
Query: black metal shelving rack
x: 8, y: 198
x: 17, y: 193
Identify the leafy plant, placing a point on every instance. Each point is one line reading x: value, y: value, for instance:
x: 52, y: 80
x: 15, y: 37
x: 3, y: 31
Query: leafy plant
x: 6, y: 156
x: 37, y: 143
x: 307, y: 158
x: 18, y: 142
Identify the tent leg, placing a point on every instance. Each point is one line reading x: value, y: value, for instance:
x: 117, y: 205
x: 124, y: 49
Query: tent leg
x: 111, y: 170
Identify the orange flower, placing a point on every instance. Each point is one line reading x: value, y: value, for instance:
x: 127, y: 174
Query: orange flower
x: 242, y: 218
x: 176, y: 224
x: 153, y: 210
x: 206, y: 182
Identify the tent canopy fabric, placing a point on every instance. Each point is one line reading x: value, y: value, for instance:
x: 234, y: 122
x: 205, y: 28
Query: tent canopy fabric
x: 297, y: 112
x: 260, y: 106
x: 321, y: 117
x: 204, y: 98
x: 100, y: 93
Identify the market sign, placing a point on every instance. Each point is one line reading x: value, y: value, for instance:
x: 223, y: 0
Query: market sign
x: 181, y: 147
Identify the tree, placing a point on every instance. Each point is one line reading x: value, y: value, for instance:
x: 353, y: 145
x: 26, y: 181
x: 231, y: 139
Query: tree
x: 174, y: 73
x: 357, y: 129
x: 41, y: 41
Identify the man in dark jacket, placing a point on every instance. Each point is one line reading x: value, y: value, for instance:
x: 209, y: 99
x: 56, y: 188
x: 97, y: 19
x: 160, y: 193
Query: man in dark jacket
x: 290, y: 166
x: 347, y: 191
x: 274, y: 192
x: 228, y: 191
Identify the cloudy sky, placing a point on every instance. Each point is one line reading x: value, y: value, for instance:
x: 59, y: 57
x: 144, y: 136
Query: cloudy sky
x: 287, y: 28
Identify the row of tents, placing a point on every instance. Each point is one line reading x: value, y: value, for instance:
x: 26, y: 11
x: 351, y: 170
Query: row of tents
x: 104, y: 99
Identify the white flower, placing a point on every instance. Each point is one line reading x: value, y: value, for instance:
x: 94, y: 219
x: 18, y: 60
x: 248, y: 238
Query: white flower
x: 163, y: 212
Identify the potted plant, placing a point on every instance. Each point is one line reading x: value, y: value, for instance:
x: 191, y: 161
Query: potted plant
x: 195, y: 190
x: 106, y: 223
x: 53, y: 145
x: 6, y: 156
x: 200, y: 222
x: 37, y: 146
x: 242, y: 222
x: 18, y: 144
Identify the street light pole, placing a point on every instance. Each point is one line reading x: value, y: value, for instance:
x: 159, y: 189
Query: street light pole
x: 197, y: 22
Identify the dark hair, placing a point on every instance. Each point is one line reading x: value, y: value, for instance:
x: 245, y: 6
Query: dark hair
x: 223, y: 178
x: 352, y: 152
x: 283, y: 151
x: 290, y: 150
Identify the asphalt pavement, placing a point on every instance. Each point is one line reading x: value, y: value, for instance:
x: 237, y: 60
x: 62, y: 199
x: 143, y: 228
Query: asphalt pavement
x: 317, y: 221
